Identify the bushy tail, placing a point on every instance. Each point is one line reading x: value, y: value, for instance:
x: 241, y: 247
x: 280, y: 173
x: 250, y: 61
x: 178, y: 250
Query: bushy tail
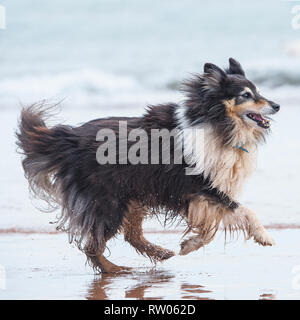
x: 48, y: 154
x: 37, y: 143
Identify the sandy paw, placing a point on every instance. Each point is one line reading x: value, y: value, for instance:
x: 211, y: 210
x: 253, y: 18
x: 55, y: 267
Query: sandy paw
x: 165, y: 254
x: 117, y: 270
x: 264, y: 239
x: 190, y: 245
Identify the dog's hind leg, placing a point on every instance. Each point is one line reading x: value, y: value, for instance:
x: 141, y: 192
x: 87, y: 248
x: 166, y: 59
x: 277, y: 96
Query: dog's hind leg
x: 133, y: 233
x: 106, y: 225
x: 100, y: 262
x: 108, y: 267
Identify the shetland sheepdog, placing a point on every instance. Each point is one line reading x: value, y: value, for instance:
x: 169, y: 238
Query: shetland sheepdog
x: 101, y: 195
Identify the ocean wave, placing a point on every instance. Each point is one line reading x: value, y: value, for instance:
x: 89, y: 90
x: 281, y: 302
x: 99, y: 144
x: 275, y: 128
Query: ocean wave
x: 270, y: 79
x: 92, y: 87
x: 81, y: 88
x: 88, y: 81
x: 278, y: 78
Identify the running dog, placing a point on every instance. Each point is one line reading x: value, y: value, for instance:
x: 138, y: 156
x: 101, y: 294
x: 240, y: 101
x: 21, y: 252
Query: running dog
x: 100, y: 199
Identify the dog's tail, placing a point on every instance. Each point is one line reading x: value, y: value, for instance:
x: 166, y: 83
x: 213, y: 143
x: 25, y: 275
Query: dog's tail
x: 48, y: 159
x: 39, y: 145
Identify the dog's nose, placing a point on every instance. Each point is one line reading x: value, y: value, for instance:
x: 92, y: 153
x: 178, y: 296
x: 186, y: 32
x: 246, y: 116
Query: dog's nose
x: 275, y: 107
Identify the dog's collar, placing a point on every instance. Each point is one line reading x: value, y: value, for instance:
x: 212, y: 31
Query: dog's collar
x: 243, y: 149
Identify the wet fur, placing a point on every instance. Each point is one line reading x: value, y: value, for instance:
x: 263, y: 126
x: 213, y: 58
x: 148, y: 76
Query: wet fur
x: 98, y: 201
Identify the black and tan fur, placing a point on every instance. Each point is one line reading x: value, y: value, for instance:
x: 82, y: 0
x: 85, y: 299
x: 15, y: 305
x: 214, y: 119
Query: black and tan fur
x: 98, y: 201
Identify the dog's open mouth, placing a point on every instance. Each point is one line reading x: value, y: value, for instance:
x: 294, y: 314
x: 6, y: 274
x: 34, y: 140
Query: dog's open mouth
x: 259, y: 119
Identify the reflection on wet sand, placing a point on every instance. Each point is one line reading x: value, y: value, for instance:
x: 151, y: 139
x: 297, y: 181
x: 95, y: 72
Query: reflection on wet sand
x: 97, y: 289
x: 152, y: 279
x: 190, y: 291
x: 151, y: 285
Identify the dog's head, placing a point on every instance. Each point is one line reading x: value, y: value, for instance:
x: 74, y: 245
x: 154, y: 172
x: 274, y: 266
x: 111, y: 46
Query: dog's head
x: 229, y: 101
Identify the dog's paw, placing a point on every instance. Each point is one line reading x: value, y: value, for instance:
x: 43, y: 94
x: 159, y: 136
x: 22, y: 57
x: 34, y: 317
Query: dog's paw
x: 117, y: 270
x: 166, y: 254
x: 189, y: 245
x: 263, y: 238
x: 161, y: 254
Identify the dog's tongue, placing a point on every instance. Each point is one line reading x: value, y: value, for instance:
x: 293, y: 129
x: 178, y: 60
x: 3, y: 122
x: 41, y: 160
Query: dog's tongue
x: 260, y: 120
x: 257, y: 117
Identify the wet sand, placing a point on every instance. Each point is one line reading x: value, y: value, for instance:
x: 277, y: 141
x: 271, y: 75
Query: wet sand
x: 45, y: 266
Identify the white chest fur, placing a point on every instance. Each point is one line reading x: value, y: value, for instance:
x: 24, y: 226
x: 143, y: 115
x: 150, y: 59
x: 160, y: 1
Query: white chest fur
x: 226, y: 166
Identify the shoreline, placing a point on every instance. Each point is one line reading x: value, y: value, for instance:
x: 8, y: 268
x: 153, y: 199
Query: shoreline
x: 6, y: 231
x: 44, y: 266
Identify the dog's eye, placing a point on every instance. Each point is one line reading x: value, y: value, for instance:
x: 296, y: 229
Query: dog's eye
x: 246, y: 95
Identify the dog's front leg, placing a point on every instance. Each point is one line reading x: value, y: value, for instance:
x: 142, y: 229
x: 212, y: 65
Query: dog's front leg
x: 196, y: 242
x: 246, y: 220
x: 203, y: 219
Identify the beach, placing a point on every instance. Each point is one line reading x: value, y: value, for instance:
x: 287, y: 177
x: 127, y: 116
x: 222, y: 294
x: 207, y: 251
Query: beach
x: 45, y: 266
x: 40, y: 263
x: 105, y: 58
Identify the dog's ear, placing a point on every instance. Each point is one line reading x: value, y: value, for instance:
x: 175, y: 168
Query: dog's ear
x: 211, y: 68
x: 235, y: 67
x: 214, y: 76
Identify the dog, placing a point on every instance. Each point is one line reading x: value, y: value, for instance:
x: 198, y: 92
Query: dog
x: 99, y: 200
